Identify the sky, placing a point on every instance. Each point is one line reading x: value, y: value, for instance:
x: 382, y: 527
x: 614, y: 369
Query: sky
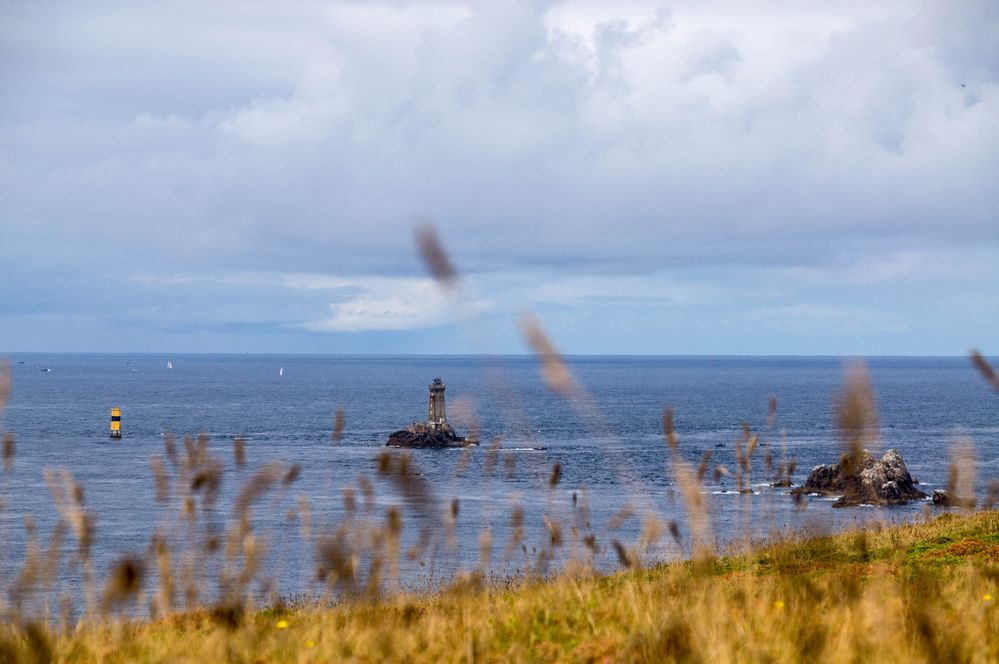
x: 647, y: 178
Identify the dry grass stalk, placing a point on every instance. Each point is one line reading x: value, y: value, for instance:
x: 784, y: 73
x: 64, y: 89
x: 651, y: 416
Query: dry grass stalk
x: 464, y: 413
x: 858, y: 422
x: 8, y: 452
x: 856, y: 413
x: 160, y: 478
x: 402, y: 471
x: 339, y: 421
x: 164, y: 576
x: 68, y: 497
x: 492, y: 454
x: 5, y: 385
x: 674, y: 531
x: 690, y: 488
x: 123, y: 583
x: 239, y: 451
x: 207, y: 479
x: 516, y: 532
x: 367, y: 492
x: 435, y: 257
x: 618, y: 518
x: 510, y: 465
x: 961, y: 474
x: 255, y: 487
x: 992, y: 495
x: 553, y: 367
x: 624, y: 557
x: 485, y: 549
x: 985, y: 368
x: 652, y: 532
x: 170, y: 449
x: 305, y: 517
x: 292, y: 475
x: 702, y: 467
x: 669, y: 429
x: 556, y: 475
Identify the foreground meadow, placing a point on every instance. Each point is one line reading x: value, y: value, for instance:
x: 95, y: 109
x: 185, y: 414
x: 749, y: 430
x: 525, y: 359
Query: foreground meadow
x: 913, y: 593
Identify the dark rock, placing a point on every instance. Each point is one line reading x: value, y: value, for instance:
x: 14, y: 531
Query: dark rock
x: 831, y: 478
x: 419, y: 434
x: 941, y: 498
x: 945, y: 499
x: 782, y: 483
x: 863, y: 481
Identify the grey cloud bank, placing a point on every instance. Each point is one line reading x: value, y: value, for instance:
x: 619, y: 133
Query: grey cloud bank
x: 651, y: 178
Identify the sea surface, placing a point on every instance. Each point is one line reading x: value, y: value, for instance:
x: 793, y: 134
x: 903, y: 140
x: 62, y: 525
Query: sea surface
x: 614, y: 466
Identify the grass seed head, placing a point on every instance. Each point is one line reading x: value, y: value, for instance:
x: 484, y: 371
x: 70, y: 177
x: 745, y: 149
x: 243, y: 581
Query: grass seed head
x: 393, y: 519
x: 619, y: 517
x: 294, y: 472
x: 624, y: 557
x: 556, y: 475
x: 434, y: 256
x: 984, y: 368
x: 239, y: 451
x: 857, y: 416
x: 961, y: 474
x: 702, y: 468
x: 338, y: 423
x: 170, y: 449
x: 160, y: 478
x: 123, y: 582
x: 492, y: 455
x: 553, y: 368
x: 669, y: 431
x: 992, y: 495
x: 5, y: 384
x: 8, y: 452
x: 367, y: 492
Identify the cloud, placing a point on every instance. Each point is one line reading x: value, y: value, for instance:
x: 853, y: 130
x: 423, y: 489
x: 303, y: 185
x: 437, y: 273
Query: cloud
x: 376, y: 304
x: 607, y: 151
x: 825, y: 318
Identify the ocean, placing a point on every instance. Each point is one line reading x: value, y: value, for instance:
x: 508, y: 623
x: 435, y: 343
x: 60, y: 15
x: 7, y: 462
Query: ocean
x: 614, y: 466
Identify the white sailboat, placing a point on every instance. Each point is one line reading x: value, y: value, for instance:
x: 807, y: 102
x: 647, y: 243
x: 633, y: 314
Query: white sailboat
x: 281, y: 371
x: 169, y: 364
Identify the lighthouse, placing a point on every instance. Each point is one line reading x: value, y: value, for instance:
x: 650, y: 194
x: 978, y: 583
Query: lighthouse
x: 436, y: 416
x: 435, y: 432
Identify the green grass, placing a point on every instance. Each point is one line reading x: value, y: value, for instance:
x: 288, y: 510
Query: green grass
x: 920, y: 592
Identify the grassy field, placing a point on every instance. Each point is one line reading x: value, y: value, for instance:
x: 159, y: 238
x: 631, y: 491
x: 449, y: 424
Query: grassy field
x: 922, y: 592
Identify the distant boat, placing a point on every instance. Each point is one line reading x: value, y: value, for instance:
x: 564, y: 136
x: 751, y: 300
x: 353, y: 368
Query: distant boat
x: 169, y: 364
x: 45, y: 370
x: 281, y: 371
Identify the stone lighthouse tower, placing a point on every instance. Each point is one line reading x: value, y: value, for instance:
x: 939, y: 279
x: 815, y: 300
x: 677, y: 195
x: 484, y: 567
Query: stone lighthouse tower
x: 436, y: 417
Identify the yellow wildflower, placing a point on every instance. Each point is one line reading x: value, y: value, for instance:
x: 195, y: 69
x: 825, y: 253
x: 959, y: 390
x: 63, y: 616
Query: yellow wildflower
x: 986, y: 597
x: 779, y: 604
x: 282, y: 624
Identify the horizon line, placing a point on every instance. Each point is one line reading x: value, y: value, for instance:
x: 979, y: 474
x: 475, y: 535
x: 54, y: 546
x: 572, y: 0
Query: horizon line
x: 4, y: 354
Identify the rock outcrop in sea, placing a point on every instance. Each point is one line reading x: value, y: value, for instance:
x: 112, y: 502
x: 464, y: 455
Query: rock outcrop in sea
x: 435, y: 432
x: 867, y: 481
x: 419, y: 434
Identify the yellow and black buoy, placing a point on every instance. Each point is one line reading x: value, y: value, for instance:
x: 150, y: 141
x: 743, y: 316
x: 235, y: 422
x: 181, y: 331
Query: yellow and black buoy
x: 116, y: 422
